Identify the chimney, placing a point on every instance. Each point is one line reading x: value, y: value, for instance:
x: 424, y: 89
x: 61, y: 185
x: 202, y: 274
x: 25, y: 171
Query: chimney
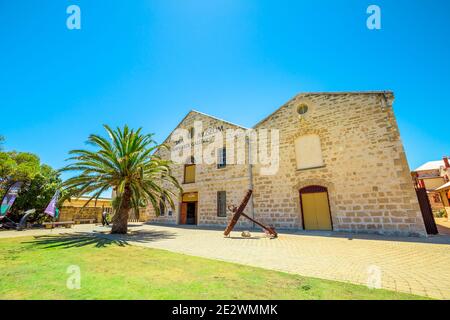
x: 446, y: 162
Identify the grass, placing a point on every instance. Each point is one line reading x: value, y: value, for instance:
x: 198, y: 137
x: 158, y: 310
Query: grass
x: 35, y: 268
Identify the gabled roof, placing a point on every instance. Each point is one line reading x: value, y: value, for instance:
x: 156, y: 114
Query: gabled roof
x: 216, y: 118
x: 306, y: 94
x: 206, y: 115
x: 431, y: 165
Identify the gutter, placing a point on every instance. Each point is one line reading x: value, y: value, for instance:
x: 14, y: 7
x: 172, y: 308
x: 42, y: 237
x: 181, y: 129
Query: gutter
x: 250, y: 178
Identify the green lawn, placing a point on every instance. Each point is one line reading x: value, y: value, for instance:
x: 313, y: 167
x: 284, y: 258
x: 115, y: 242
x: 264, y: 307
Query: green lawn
x: 35, y: 268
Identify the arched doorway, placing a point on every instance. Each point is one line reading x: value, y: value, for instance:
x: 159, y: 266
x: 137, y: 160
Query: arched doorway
x: 315, y: 207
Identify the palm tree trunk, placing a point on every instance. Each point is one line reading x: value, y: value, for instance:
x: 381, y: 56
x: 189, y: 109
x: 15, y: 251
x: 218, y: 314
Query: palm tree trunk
x: 120, y: 220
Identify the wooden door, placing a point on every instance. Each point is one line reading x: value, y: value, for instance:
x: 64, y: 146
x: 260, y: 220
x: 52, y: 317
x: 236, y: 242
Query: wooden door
x: 309, y: 211
x: 315, y: 209
x: 183, y: 213
x: 322, y: 211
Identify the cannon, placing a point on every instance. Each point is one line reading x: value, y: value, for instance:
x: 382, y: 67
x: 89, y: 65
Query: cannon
x: 239, y: 211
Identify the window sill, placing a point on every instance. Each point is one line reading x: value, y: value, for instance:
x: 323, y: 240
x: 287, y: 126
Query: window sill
x: 312, y: 168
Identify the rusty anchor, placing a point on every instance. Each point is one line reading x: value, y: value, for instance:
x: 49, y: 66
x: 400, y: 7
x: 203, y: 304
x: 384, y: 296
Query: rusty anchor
x: 239, y: 211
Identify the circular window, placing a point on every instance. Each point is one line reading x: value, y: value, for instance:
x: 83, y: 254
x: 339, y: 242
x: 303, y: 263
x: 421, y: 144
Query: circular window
x: 302, y: 109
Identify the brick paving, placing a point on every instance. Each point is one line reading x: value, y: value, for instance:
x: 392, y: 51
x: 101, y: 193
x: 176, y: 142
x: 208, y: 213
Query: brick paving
x: 443, y: 225
x: 414, y: 265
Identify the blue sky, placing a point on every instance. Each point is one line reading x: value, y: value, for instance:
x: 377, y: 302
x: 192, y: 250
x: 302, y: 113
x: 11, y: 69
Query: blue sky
x: 147, y: 63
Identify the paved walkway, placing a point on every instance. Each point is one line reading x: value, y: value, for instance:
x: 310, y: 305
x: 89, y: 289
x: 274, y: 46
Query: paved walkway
x: 412, y: 265
x: 443, y: 225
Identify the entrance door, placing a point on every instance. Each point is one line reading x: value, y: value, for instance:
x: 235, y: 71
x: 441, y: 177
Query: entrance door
x: 191, y: 213
x: 188, y: 212
x: 315, y: 208
x: 183, y: 213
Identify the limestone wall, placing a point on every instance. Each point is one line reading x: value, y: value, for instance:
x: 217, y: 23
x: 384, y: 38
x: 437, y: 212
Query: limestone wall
x: 234, y: 179
x: 365, y: 168
x: 69, y: 213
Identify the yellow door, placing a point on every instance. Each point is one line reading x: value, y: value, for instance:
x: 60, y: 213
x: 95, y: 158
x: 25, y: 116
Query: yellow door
x: 316, y: 211
x: 309, y: 211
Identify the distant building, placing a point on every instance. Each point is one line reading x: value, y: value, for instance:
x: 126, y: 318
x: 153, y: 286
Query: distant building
x: 432, y: 176
x: 444, y: 193
x: 75, y: 209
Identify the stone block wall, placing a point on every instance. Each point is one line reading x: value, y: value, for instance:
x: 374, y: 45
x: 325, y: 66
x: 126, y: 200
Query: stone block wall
x: 234, y: 179
x: 365, y: 168
x: 69, y: 213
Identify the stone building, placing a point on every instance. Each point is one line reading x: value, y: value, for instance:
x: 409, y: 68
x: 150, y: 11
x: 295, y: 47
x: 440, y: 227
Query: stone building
x: 341, y: 166
x: 75, y: 209
x: 432, y: 176
x: 444, y: 193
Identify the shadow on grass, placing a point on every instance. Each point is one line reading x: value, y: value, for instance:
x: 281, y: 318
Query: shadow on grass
x: 99, y: 240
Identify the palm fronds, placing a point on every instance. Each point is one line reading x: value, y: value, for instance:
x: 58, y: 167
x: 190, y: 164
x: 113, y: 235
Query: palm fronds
x: 125, y: 161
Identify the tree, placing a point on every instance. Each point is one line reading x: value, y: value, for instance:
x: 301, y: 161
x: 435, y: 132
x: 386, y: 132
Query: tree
x: 40, y: 182
x: 37, y: 193
x: 17, y: 166
x: 127, y: 163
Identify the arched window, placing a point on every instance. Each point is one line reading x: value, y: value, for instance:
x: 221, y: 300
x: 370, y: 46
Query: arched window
x: 308, y: 152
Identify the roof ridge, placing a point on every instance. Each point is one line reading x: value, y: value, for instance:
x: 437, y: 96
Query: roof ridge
x: 217, y: 118
x: 306, y: 94
x: 204, y: 114
x: 276, y: 110
x: 424, y: 167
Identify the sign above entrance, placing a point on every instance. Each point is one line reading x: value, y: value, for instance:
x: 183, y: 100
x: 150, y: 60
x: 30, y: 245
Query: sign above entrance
x: 190, y: 197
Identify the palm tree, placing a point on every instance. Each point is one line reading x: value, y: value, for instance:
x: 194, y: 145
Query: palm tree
x: 127, y: 163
